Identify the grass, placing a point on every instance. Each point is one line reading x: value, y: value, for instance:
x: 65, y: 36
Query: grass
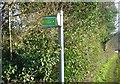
x: 109, y: 71
x: 117, y: 71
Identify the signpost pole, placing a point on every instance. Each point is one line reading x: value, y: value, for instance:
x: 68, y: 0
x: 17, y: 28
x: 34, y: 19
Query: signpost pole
x: 61, y: 43
x: 51, y: 21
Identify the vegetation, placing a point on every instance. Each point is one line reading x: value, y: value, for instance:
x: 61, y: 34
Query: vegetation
x: 35, y: 51
x: 108, y: 68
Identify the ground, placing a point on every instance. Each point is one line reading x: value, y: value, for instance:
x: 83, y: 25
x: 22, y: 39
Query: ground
x: 109, y: 72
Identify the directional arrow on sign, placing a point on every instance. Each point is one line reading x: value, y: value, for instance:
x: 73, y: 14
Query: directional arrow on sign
x: 48, y: 21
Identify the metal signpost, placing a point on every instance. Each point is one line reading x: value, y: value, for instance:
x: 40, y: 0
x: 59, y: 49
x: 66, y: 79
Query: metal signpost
x: 53, y: 21
x: 61, y: 42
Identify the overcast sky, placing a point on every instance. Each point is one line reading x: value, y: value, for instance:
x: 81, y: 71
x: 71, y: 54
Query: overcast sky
x: 116, y: 22
x: 117, y: 0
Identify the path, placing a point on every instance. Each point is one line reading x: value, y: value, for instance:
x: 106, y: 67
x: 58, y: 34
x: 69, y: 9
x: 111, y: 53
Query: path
x: 109, y: 71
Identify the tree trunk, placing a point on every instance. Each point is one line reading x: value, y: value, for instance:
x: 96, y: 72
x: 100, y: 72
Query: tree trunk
x: 10, y: 38
x: 0, y: 47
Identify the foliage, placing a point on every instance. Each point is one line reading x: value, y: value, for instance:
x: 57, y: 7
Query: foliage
x: 36, y: 50
x: 108, y: 68
x: 117, y: 72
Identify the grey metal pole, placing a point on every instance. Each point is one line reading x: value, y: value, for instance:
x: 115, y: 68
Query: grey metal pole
x: 61, y: 42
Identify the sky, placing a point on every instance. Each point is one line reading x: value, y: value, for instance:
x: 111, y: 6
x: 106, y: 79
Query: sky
x: 117, y: 0
x: 116, y: 23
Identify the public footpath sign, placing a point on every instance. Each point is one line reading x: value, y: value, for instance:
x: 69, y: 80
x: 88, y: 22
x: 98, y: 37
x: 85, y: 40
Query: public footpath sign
x: 53, y: 21
x: 48, y: 21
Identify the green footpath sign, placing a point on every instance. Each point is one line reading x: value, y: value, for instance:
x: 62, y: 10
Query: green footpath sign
x: 48, y: 21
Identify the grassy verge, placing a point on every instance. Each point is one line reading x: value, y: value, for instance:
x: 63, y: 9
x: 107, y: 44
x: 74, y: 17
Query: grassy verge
x: 109, y: 71
x: 117, y: 70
